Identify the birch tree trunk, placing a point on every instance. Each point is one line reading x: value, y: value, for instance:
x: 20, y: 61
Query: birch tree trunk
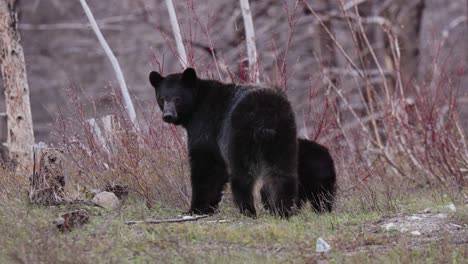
x: 115, y: 65
x: 250, y: 41
x: 20, y: 136
x: 177, y: 36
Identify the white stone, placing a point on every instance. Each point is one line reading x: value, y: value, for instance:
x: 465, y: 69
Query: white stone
x: 404, y: 230
x: 322, y: 246
x: 413, y: 218
x: 416, y: 233
x: 107, y: 200
x: 390, y: 226
x: 441, y: 216
x: 451, y: 207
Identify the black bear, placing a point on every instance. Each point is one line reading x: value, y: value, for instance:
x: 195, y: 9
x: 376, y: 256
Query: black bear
x: 236, y: 133
x: 317, y: 177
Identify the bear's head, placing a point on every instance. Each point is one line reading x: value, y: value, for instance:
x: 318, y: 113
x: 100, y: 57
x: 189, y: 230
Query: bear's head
x: 175, y: 94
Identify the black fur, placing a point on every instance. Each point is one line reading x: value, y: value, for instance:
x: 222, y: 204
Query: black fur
x: 317, y: 177
x: 236, y: 133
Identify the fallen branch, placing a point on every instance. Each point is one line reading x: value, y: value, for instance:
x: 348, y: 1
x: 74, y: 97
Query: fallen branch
x: 170, y: 220
x: 221, y: 221
x: 83, y: 202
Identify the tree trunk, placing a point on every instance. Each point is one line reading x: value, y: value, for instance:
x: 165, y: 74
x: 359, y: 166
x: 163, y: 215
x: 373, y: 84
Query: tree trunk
x: 20, y: 136
x: 250, y: 41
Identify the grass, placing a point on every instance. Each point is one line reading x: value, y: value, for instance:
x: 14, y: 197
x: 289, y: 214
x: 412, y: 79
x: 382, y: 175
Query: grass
x: 28, y: 236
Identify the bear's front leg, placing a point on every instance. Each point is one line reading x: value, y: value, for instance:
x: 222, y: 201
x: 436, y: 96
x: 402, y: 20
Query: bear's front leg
x: 209, y: 177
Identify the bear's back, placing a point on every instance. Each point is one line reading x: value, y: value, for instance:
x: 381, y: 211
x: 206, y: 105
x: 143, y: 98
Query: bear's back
x: 249, y: 94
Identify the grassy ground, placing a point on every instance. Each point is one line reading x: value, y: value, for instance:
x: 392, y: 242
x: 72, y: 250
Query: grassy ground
x: 356, y: 236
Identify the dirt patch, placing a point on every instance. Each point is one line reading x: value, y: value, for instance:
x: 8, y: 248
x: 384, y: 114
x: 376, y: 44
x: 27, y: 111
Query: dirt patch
x: 417, y: 230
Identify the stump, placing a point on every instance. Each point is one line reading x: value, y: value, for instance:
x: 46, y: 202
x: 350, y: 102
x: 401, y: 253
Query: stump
x: 113, y: 131
x: 47, y: 181
x: 106, y: 132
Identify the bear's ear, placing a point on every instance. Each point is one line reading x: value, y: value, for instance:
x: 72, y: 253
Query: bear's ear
x: 155, y: 79
x: 189, y: 75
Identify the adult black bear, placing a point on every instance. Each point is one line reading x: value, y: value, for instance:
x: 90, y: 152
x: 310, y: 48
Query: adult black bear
x: 236, y: 133
x: 317, y: 177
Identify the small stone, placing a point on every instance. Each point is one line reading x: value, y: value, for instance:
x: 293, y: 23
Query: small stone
x: 416, y: 233
x: 414, y: 218
x: 390, y: 227
x: 441, y: 216
x: 322, y: 246
x: 107, y: 200
x: 451, y: 207
x: 404, y: 230
x: 427, y: 210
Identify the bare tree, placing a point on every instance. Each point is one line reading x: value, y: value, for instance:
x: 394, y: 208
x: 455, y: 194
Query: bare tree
x: 18, y: 109
x: 177, y: 36
x: 115, y: 64
x: 250, y: 40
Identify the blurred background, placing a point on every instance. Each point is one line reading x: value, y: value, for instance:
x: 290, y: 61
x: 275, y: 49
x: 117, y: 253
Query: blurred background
x: 294, y: 49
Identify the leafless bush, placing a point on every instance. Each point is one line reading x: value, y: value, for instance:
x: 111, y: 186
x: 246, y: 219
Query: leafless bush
x: 151, y: 161
x: 408, y: 137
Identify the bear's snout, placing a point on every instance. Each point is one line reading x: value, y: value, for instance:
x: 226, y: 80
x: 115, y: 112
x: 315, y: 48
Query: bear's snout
x: 169, y: 112
x: 169, y: 118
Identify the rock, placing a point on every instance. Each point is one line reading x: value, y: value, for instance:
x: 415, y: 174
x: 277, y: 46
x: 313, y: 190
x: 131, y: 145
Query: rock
x: 404, y: 230
x: 441, y: 216
x: 427, y: 210
x: 107, y: 200
x: 414, y: 218
x: 390, y: 227
x: 322, y: 246
x: 450, y: 207
x: 416, y: 233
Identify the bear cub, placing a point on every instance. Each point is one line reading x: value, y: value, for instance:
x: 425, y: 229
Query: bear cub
x: 317, y: 177
x: 236, y: 133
